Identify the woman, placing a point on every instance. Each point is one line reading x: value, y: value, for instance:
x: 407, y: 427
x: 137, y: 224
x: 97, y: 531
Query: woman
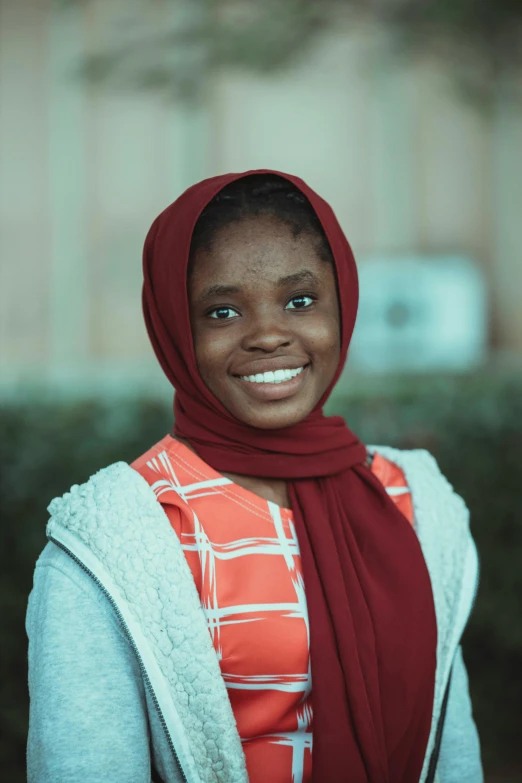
x: 185, y: 604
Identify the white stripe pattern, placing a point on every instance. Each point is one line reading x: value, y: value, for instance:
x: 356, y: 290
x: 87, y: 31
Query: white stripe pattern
x: 283, y: 544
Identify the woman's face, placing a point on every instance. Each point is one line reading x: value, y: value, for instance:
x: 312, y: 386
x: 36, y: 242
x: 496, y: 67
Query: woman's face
x: 263, y: 301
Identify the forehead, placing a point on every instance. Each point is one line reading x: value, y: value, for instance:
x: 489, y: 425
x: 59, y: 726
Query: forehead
x: 256, y: 246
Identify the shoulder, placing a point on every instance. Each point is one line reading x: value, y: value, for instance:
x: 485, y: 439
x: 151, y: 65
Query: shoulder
x: 117, y: 480
x: 421, y: 472
x: 166, y: 468
x: 114, y: 499
x: 118, y: 508
x: 385, y: 468
x: 442, y: 521
x: 441, y: 517
x: 393, y: 479
x: 151, y: 455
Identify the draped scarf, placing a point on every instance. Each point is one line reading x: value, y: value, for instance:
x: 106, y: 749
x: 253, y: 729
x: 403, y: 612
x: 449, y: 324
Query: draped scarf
x: 371, y: 613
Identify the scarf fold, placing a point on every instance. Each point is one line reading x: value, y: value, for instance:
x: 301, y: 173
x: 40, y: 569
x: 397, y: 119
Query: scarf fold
x: 372, y: 619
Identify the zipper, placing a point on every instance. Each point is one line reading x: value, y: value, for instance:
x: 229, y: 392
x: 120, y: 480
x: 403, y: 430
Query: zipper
x: 432, y: 768
x: 134, y: 647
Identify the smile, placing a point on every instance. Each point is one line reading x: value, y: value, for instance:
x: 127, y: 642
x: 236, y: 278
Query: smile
x: 278, y: 376
x: 275, y: 385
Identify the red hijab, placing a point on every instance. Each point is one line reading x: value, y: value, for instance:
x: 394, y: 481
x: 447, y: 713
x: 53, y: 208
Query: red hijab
x: 372, y: 620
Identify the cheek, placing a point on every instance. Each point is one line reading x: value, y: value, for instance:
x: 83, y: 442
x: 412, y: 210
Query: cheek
x: 324, y: 338
x: 211, y: 349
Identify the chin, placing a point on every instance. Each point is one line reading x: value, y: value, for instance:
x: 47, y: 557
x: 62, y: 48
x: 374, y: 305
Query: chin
x: 272, y: 420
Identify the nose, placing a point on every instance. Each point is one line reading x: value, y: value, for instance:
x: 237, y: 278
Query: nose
x: 266, y: 332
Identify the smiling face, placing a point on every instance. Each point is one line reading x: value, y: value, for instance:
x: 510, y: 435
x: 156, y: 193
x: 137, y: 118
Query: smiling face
x: 263, y: 300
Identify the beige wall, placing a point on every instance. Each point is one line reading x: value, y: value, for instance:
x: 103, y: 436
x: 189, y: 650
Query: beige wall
x: 84, y: 171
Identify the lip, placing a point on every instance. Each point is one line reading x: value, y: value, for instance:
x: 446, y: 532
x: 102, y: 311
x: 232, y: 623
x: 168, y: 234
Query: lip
x: 275, y: 391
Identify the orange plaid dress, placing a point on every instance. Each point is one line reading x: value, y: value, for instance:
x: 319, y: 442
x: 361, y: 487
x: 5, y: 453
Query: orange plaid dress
x: 244, y: 556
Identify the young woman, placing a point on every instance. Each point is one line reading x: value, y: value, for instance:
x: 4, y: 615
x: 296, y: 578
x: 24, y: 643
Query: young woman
x: 260, y: 596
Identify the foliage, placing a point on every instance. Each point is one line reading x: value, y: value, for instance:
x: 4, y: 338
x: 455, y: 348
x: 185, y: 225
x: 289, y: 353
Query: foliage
x: 177, y: 47
x: 473, y: 428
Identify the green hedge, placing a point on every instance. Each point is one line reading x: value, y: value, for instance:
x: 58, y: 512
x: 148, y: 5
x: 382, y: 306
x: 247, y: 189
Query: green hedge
x: 473, y: 426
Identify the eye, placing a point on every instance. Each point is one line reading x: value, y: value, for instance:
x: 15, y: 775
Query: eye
x: 222, y: 313
x: 300, y: 302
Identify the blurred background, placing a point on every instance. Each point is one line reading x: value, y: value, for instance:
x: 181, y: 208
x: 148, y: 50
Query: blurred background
x: 405, y: 115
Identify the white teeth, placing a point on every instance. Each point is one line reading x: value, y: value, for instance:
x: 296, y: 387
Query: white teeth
x: 279, y: 376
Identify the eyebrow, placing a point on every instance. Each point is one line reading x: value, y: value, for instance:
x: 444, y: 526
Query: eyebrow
x: 218, y: 290
x: 303, y: 276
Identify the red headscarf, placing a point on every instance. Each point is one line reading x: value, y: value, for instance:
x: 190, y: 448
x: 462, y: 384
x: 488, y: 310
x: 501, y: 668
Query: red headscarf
x: 372, y: 619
